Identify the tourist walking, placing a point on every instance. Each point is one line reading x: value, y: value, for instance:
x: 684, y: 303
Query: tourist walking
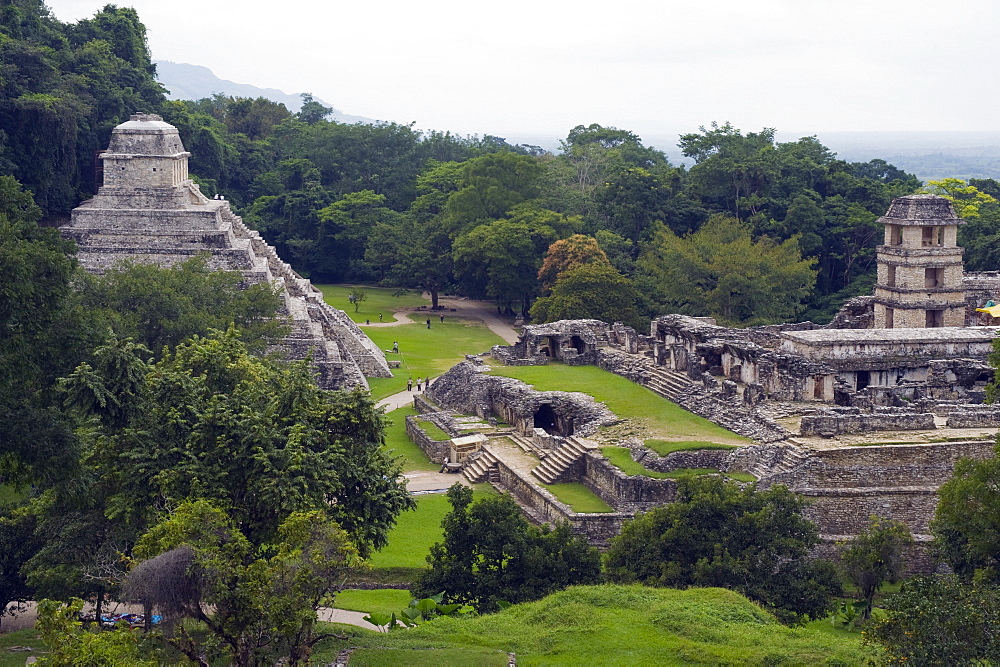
x: 428, y: 323
x: 409, y: 384
x: 395, y: 347
x: 418, y: 384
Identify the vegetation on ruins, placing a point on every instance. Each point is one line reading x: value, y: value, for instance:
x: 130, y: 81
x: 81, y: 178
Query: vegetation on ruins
x: 491, y: 555
x: 719, y: 533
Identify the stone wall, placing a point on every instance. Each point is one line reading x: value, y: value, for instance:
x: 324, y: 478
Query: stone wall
x: 716, y: 459
x: 974, y: 416
x: 835, y: 421
x: 436, y: 450
x: 636, y: 493
x: 543, y: 507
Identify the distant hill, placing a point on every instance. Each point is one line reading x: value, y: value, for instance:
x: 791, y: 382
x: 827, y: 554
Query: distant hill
x: 194, y: 82
x: 927, y: 155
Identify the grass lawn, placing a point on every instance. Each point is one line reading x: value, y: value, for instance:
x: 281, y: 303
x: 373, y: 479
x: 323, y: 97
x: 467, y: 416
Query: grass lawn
x: 385, y: 600
x: 660, y: 418
x: 664, y: 447
x: 27, y: 637
x: 579, y: 497
x: 621, y: 458
x: 432, y: 430
x: 412, y: 457
x: 423, y: 352
x: 427, y: 352
x: 611, y: 625
x: 380, y: 300
x: 411, y: 539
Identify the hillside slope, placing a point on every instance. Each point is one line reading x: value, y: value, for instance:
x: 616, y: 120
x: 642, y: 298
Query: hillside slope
x: 607, y: 625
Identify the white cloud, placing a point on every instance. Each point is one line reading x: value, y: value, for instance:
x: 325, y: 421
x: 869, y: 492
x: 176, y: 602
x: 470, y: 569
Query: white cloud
x: 544, y: 66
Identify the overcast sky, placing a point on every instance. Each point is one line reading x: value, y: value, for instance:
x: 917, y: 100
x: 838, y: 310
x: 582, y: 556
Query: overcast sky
x: 527, y: 67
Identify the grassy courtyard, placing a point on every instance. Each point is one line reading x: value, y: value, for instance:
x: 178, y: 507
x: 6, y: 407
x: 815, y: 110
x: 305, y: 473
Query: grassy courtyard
x: 656, y: 417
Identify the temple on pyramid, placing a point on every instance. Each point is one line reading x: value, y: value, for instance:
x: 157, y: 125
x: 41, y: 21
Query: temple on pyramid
x: 149, y: 210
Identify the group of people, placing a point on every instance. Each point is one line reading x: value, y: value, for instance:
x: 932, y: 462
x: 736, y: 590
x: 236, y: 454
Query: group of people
x: 420, y: 384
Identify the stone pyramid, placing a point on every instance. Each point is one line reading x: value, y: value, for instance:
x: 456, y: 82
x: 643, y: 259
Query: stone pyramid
x: 149, y: 210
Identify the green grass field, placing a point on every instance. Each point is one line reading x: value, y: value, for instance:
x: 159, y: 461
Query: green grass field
x: 382, y: 300
x: 20, y: 638
x: 427, y: 352
x: 432, y: 430
x: 411, y: 539
x: 660, y: 418
x: 423, y: 352
x: 396, y: 440
x: 611, y: 625
x: 664, y: 447
x: 383, y: 600
x: 622, y: 459
x: 579, y: 497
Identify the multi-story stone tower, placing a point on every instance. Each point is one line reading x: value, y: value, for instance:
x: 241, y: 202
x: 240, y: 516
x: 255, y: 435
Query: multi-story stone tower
x: 920, y: 266
x: 149, y: 210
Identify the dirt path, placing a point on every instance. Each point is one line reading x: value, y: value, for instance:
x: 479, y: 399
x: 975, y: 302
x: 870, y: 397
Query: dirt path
x: 481, y: 310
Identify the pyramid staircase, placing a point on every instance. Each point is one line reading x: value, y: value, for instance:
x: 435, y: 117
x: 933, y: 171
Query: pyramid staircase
x: 558, y: 461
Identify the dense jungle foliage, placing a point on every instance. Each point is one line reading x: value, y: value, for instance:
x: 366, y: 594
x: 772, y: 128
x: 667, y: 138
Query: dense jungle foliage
x: 792, y: 231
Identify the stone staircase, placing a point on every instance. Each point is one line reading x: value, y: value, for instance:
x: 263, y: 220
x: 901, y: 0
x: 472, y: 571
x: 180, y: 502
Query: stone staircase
x: 558, y: 461
x: 483, y: 468
x: 668, y: 384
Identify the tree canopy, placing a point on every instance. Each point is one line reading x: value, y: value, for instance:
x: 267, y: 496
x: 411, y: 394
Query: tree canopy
x: 490, y: 554
x: 717, y: 533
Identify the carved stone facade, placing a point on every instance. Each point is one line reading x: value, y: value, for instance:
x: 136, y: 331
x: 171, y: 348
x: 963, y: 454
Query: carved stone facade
x: 149, y: 210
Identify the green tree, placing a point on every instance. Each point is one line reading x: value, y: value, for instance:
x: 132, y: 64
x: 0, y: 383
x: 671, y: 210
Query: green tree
x: 569, y: 253
x: 71, y: 646
x: 259, y: 604
x: 721, y: 271
x: 967, y: 199
x: 489, y: 554
x: 717, y: 533
x: 160, y: 307
x: 43, y: 334
x: 589, y: 291
x: 256, y: 437
x: 875, y: 556
x: 966, y: 524
x: 937, y: 620
x: 501, y: 259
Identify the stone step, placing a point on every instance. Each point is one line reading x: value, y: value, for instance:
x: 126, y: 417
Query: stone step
x: 483, y: 468
x: 558, y: 461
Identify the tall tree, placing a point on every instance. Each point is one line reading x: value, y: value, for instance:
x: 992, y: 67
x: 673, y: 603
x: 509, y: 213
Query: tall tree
x: 875, y: 556
x: 490, y: 554
x: 721, y: 271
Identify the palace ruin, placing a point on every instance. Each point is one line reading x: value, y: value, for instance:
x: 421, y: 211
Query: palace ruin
x: 865, y: 416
